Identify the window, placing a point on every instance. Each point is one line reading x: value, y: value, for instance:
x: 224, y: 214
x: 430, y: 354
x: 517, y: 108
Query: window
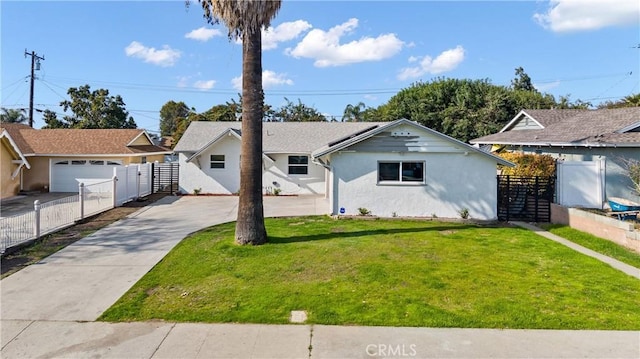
x: 79, y: 162
x: 298, y: 165
x: 96, y: 162
x: 143, y: 159
x: 61, y: 162
x: 217, y: 161
x: 401, y: 172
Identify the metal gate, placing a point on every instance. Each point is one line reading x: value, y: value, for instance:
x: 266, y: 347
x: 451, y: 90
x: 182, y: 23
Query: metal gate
x: 525, y: 198
x: 165, y: 177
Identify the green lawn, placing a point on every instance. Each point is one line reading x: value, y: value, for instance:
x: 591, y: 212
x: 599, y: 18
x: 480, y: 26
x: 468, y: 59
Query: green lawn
x: 384, y: 272
x: 594, y: 243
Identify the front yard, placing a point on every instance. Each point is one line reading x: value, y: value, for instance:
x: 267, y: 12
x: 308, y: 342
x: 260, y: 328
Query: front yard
x: 384, y: 272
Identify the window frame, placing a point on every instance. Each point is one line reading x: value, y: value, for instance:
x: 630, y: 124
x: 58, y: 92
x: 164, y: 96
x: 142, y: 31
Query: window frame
x: 401, y: 180
x: 304, y: 165
x: 217, y: 162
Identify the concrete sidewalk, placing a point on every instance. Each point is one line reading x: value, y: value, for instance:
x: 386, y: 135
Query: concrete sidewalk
x: 44, y: 339
x: 49, y: 309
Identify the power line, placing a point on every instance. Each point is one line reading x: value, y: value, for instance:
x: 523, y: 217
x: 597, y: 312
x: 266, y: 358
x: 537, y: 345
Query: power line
x: 15, y: 82
x: 52, y: 90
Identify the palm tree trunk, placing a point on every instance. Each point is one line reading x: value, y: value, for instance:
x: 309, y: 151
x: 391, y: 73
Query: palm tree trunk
x: 250, y: 227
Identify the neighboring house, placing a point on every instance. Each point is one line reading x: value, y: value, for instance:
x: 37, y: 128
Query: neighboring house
x: 390, y: 168
x: 605, y: 137
x: 56, y: 157
x: 12, y: 162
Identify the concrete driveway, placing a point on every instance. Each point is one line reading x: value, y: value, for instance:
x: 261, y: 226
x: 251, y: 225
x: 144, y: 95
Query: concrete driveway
x: 81, y: 281
x: 24, y: 203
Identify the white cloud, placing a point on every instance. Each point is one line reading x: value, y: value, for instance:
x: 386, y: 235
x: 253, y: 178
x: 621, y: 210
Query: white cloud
x: 165, y: 57
x: 284, y: 32
x: 204, y: 85
x: 203, y: 34
x: 581, y: 15
x: 325, y: 47
x: 183, y: 81
x: 236, y: 83
x: 546, y: 86
x: 269, y: 79
x: 446, y: 61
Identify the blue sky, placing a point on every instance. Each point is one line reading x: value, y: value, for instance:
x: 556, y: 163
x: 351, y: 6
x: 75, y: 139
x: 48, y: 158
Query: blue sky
x: 326, y: 53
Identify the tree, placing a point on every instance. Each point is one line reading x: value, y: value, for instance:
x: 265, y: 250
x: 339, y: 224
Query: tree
x: 183, y: 122
x: 245, y: 20
x: 170, y: 114
x: 220, y: 113
x: 353, y: 112
x: 522, y: 82
x: 94, y: 109
x: 51, y: 120
x: 461, y: 108
x: 299, y: 112
x: 464, y: 108
x: 565, y: 103
x: 628, y: 101
x: 13, y: 115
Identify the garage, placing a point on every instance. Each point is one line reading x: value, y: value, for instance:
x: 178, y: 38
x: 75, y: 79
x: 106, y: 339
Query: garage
x: 65, y: 171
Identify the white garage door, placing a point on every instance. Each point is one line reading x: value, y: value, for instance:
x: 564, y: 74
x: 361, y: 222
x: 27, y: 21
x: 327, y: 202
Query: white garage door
x: 64, y: 172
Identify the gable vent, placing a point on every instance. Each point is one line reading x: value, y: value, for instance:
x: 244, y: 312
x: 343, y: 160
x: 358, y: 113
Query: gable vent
x: 400, y: 133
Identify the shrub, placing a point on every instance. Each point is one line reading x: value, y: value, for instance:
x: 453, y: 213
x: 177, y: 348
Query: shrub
x: 363, y: 211
x: 528, y: 164
x: 633, y: 172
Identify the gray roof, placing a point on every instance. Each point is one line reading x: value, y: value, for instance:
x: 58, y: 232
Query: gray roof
x: 278, y: 137
x: 546, y: 117
x: 358, y: 137
x: 603, y: 127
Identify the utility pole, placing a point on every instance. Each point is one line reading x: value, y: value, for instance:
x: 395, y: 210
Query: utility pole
x: 35, y: 60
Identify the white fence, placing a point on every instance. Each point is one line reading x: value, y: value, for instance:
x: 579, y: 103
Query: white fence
x: 581, y: 183
x: 133, y: 182
x: 94, y: 196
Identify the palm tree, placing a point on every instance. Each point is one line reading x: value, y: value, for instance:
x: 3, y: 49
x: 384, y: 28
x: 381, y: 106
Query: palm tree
x: 353, y: 112
x: 13, y: 115
x: 632, y: 100
x: 245, y: 20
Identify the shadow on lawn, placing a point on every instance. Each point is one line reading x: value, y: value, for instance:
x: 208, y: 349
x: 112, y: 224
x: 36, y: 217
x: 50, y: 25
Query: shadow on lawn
x: 375, y: 232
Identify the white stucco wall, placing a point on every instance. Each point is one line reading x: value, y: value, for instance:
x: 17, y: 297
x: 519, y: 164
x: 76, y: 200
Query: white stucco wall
x: 276, y: 176
x: 452, y: 181
x: 198, y: 174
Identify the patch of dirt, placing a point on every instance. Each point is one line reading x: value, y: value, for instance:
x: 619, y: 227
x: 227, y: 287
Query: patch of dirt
x: 14, y: 260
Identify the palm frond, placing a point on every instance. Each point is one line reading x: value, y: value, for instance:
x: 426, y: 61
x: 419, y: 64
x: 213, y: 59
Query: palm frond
x: 241, y: 16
